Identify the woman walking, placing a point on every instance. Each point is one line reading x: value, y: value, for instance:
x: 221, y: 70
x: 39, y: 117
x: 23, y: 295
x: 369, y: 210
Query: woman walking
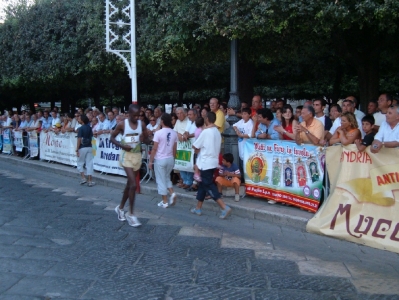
x: 84, y: 150
x: 164, y: 152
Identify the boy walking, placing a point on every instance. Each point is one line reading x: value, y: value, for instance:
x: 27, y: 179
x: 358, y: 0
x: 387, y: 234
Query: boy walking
x: 229, y: 176
x: 208, y: 147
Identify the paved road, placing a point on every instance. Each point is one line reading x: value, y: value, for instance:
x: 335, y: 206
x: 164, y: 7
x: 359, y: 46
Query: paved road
x: 60, y: 240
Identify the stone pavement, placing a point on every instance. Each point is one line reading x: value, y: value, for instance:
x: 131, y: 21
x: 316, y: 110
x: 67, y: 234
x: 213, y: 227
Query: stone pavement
x: 60, y: 240
x: 247, y: 207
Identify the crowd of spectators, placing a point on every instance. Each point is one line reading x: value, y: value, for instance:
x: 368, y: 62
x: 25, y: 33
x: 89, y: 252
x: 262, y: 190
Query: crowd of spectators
x: 313, y: 122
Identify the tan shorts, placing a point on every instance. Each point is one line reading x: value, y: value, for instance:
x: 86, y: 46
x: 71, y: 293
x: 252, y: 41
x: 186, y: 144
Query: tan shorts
x: 130, y: 160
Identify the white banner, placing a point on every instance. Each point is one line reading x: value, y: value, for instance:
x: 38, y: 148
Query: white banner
x: 33, y: 144
x: 106, y: 155
x: 59, y: 147
x: 185, y: 156
x: 18, y: 143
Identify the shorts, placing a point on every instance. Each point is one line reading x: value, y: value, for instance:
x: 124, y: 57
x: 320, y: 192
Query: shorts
x: 228, y: 183
x: 130, y: 160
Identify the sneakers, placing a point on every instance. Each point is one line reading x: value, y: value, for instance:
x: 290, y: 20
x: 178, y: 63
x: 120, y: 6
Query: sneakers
x: 172, y: 199
x: 164, y: 205
x: 225, y: 213
x: 83, y: 181
x: 197, y: 177
x: 120, y: 213
x: 195, y: 211
x: 271, y: 202
x: 91, y: 183
x: 132, y: 220
x: 237, y: 198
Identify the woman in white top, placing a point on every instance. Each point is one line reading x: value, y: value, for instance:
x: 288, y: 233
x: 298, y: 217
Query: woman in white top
x: 164, y: 152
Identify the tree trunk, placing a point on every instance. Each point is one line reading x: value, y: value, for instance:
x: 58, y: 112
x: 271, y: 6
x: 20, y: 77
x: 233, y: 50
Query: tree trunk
x: 246, y: 81
x: 368, y: 81
x: 73, y: 105
x: 337, y: 83
x: 64, y: 105
x: 362, y: 48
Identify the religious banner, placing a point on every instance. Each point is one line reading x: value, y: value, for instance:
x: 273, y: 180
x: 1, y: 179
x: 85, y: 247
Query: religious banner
x: 284, y: 172
x: 184, y: 160
x: 33, y: 144
x: 363, y: 204
x: 7, y: 146
x: 106, y: 155
x: 18, y: 142
x: 59, y: 147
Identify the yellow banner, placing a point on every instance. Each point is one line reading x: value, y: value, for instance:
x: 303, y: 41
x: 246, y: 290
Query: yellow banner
x: 363, y: 202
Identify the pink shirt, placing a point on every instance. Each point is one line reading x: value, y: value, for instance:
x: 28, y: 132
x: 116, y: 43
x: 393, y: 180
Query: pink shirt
x: 197, y: 132
x: 166, y: 139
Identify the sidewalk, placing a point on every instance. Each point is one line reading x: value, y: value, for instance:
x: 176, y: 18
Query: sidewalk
x: 247, y: 207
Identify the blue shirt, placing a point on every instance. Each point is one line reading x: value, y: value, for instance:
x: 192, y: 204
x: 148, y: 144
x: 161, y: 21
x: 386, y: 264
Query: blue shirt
x: 233, y: 169
x: 262, y: 128
x: 108, y: 125
x: 46, y: 124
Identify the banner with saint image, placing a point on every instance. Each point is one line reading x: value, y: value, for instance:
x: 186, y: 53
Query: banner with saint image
x: 284, y: 172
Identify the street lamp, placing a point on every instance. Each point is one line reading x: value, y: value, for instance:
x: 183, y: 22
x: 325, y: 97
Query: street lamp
x: 230, y: 136
x: 121, y: 36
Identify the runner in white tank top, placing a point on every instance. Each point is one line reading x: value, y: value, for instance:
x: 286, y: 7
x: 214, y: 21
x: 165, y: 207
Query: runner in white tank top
x: 133, y: 134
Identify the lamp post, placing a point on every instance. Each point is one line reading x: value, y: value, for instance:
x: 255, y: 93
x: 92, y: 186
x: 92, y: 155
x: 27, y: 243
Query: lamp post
x: 230, y: 136
x: 121, y: 36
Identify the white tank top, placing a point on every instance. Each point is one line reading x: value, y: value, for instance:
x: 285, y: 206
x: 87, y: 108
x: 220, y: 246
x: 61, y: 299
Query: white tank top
x: 132, y: 136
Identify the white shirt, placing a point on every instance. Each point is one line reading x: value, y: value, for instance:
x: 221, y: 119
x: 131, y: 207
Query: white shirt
x: 208, y: 143
x: 359, y: 114
x: 337, y: 123
x: 55, y: 121
x: 322, y: 119
x: 8, y: 122
x: 150, y: 127
x: 77, y: 126
x: 379, y: 117
x: 180, y: 126
x: 190, y: 128
x: 387, y: 134
x: 244, y: 128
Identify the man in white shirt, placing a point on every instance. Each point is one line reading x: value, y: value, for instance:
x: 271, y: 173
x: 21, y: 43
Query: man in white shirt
x: 55, y: 122
x: 358, y: 113
x: 319, y: 105
x: 388, y: 134
x: 46, y: 121
x: 189, y: 134
x: 208, y: 146
x: 384, y: 102
x: 180, y: 128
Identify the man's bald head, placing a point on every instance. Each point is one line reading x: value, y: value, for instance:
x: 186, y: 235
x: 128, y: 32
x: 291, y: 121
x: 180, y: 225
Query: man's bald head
x: 134, y: 107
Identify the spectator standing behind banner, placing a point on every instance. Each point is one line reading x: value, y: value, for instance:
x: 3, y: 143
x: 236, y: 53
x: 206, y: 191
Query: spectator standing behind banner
x: 348, y: 132
x: 311, y: 130
x: 384, y: 102
x: 243, y: 129
x: 84, y: 151
x: 220, y: 118
x: 367, y: 126
x: 288, y: 123
x: 267, y: 123
x: 180, y: 128
x: 388, y: 134
x: 164, y: 152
